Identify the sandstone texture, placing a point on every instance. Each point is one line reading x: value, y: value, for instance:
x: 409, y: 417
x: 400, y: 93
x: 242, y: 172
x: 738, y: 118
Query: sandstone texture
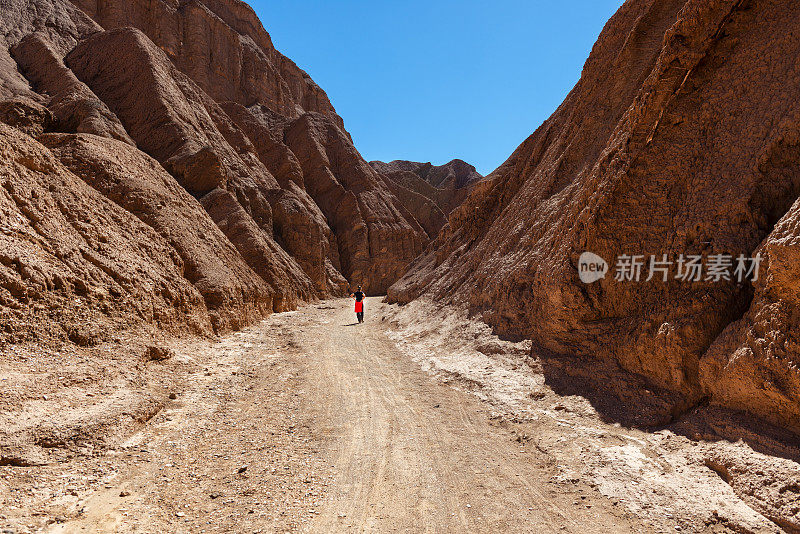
x: 138, y: 184
x: 75, y: 107
x: 74, y: 263
x: 429, y: 191
x: 375, y: 232
x: 222, y: 46
x: 60, y: 22
x: 681, y: 137
x: 177, y: 122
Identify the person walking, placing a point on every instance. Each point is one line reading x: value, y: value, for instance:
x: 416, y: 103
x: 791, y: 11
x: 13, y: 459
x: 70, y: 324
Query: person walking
x: 359, y: 296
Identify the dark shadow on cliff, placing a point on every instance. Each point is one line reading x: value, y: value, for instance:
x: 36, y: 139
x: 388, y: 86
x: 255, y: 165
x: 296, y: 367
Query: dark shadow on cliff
x: 617, y: 395
x: 714, y: 423
x: 622, y: 397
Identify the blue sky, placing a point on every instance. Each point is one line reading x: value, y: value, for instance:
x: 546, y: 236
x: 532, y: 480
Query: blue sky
x: 436, y: 80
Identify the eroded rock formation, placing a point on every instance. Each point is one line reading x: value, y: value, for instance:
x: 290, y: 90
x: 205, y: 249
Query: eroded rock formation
x: 680, y: 138
x: 375, y: 232
x: 140, y: 186
x: 222, y: 46
x: 74, y: 262
x: 430, y: 192
x: 184, y: 117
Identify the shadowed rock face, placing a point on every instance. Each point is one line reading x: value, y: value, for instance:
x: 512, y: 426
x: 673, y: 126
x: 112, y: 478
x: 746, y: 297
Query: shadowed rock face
x: 374, y: 231
x: 430, y: 192
x: 680, y: 138
x: 181, y: 114
x: 299, y: 225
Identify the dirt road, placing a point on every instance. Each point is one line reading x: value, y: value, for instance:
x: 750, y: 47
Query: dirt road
x: 412, y: 455
x: 308, y: 422
x: 419, y: 420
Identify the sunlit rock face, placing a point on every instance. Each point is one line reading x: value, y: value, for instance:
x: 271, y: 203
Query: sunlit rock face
x: 680, y: 138
x: 429, y: 191
x: 177, y: 170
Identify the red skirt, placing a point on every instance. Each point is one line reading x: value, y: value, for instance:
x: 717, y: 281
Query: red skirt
x: 359, y: 307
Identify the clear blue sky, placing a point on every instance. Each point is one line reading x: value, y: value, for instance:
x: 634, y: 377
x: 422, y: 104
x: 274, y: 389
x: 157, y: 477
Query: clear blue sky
x: 436, y: 80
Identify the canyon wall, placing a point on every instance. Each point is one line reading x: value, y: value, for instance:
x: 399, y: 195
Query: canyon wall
x: 429, y: 191
x: 179, y: 123
x: 681, y: 138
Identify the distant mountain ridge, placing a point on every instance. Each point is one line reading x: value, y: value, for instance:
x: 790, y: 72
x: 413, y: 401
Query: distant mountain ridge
x: 442, y: 188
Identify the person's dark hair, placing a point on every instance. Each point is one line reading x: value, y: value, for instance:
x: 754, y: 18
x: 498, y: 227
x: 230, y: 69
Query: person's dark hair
x: 359, y: 288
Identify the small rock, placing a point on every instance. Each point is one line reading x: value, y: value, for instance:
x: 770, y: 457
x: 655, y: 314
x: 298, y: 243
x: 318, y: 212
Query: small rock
x: 242, y: 469
x: 124, y: 493
x: 159, y: 354
x: 173, y: 396
x: 180, y: 514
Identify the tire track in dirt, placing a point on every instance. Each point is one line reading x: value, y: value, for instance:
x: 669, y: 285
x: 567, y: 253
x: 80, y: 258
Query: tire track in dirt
x: 331, y: 429
x: 414, y: 455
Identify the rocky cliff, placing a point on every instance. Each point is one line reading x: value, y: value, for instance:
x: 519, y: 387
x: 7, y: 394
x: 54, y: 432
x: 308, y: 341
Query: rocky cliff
x: 681, y: 138
x: 198, y: 178
x: 429, y: 191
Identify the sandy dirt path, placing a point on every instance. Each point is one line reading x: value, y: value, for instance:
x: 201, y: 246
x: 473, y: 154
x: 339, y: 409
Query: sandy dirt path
x: 308, y: 422
x: 412, y: 455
